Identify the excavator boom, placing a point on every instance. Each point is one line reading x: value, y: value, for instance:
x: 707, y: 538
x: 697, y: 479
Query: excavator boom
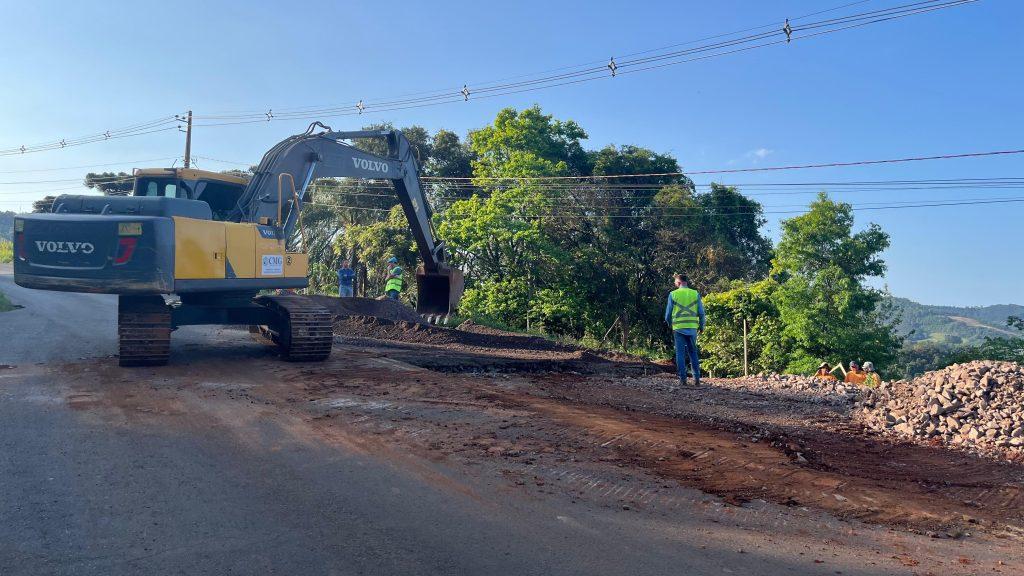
x: 280, y: 183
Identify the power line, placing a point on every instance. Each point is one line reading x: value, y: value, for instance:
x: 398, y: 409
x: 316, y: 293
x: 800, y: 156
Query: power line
x: 106, y: 179
x: 740, y: 170
x: 246, y: 164
x: 585, y: 73
x: 123, y: 163
x: 590, y: 73
x: 450, y: 90
x: 150, y: 127
x: 717, y: 214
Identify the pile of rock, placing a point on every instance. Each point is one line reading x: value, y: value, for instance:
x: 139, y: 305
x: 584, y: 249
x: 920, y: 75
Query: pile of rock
x: 978, y: 406
x: 807, y: 387
x: 807, y: 383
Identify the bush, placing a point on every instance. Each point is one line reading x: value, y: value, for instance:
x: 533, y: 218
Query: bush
x: 6, y: 252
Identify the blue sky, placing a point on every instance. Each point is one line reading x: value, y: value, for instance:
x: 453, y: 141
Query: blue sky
x: 939, y: 83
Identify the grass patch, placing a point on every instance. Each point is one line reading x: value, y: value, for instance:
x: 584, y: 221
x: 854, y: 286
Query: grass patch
x: 5, y: 304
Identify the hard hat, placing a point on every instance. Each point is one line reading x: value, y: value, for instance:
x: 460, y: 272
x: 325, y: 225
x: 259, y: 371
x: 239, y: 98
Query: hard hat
x: 869, y: 366
x: 392, y: 260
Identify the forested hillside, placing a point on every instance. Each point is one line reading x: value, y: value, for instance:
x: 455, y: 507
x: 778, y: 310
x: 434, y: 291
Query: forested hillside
x: 953, y: 325
x: 6, y: 225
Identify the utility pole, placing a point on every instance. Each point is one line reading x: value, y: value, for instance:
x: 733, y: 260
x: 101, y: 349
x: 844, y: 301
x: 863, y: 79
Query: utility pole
x: 744, y: 347
x: 188, y: 140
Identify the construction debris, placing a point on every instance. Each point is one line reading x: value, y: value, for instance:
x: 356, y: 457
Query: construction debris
x: 830, y: 391
x: 387, y: 309
x: 974, y: 406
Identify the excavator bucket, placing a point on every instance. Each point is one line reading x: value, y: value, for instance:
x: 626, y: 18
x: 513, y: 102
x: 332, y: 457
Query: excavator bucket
x: 438, y: 292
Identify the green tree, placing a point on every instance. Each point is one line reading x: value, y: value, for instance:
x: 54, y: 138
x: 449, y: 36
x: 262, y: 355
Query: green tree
x: 373, y: 243
x: 7, y: 225
x: 823, y: 238
x: 449, y: 157
x: 722, y: 341
x: 518, y: 142
x: 109, y: 183
x: 44, y: 205
x: 581, y: 255
x: 827, y: 311
x: 6, y: 252
x: 610, y: 233
x: 500, y: 236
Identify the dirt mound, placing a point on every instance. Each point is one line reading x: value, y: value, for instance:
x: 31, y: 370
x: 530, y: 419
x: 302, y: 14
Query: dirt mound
x: 419, y: 333
x: 386, y: 309
x: 976, y: 406
x: 457, y: 350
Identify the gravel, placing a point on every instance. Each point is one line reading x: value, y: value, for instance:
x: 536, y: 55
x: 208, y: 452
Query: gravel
x: 975, y: 406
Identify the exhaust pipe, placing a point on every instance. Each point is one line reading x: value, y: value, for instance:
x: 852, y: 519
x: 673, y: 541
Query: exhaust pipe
x: 439, y: 292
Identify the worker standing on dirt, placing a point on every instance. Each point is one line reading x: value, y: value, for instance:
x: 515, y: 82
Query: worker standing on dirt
x: 346, y: 280
x: 396, y: 279
x: 685, y: 313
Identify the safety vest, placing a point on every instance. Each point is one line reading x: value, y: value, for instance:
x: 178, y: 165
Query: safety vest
x: 396, y: 282
x: 684, y: 309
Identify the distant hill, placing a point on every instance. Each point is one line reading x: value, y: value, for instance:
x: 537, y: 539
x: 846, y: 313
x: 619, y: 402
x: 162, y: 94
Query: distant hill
x: 954, y: 324
x: 6, y: 225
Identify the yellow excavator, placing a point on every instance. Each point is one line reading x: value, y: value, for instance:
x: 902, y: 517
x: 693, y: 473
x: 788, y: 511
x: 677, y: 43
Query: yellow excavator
x: 197, y: 247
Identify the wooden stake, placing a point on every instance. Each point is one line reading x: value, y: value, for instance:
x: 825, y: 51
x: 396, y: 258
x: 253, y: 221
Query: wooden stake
x: 745, y: 348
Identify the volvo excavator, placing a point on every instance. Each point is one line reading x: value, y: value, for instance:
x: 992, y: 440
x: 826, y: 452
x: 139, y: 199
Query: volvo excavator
x: 197, y: 247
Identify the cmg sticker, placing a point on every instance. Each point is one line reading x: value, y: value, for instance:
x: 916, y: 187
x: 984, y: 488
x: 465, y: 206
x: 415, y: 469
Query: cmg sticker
x: 272, y: 265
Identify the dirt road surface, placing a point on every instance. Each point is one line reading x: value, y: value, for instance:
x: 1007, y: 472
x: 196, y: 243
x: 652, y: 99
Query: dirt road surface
x: 415, y: 450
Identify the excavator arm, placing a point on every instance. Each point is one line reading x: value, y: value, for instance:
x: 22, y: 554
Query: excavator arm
x: 279, y: 186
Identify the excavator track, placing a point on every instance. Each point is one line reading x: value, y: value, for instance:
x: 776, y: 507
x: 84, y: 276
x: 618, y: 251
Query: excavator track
x: 143, y: 330
x: 303, y: 332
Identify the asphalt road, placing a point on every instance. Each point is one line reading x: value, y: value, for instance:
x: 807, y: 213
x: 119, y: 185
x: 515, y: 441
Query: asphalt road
x: 76, y: 326
x: 81, y: 494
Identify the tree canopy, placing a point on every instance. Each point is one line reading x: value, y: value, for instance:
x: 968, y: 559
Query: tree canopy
x: 110, y: 183
x: 816, y: 306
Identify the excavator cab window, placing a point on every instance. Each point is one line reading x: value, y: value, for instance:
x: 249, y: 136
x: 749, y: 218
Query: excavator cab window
x: 166, y: 187
x: 221, y: 196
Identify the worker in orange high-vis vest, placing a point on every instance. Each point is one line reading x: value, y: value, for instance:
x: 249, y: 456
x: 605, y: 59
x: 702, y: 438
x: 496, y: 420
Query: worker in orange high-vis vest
x: 685, y: 313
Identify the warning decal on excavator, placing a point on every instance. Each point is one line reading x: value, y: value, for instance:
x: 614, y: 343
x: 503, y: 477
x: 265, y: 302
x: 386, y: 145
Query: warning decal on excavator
x: 272, y: 265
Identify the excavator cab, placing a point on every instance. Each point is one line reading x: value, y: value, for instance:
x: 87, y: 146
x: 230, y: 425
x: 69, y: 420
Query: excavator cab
x: 218, y: 190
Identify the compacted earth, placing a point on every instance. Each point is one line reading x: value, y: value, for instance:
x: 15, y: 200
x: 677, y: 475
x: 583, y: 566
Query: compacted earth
x: 761, y: 474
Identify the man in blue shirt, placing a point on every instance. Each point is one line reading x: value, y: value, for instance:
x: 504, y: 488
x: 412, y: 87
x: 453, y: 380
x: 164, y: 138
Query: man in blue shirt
x: 684, y: 312
x: 346, y: 280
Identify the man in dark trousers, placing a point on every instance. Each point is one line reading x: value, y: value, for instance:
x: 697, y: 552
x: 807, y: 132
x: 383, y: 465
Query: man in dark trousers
x: 684, y: 312
x: 346, y: 280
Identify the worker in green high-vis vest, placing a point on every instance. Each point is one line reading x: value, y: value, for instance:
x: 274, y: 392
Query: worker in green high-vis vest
x: 396, y: 279
x: 685, y: 314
